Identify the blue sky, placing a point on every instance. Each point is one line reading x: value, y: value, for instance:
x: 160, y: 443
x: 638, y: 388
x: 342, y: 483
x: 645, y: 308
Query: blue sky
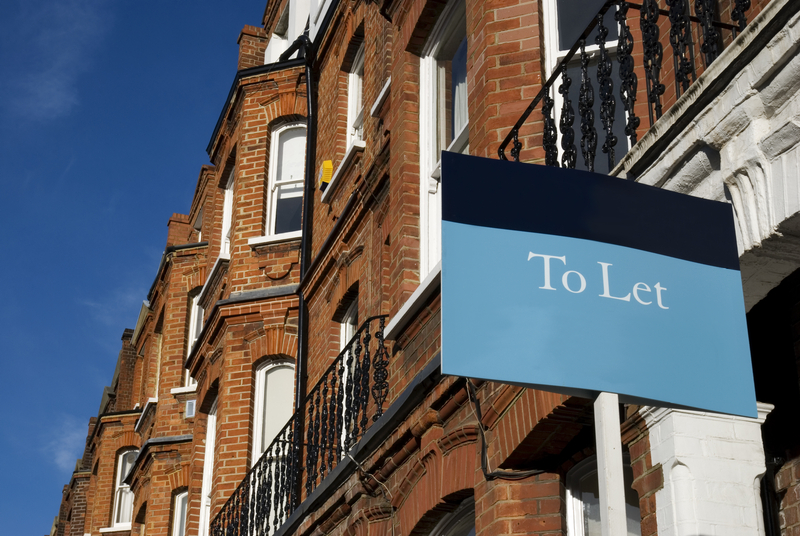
x: 106, y: 107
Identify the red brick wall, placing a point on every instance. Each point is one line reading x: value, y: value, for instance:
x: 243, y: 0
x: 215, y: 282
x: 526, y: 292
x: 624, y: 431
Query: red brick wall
x: 252, y: 44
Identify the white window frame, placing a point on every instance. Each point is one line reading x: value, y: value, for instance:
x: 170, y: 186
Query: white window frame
x: 429, y: 118
x: 275, y: 184
x: 575, y: 523
x: 260, y: 413
x: 208, y: 472
x: 122, y: 491
x: 347, y: 330
x: 355, y: 99
x: 180, y: 503
x: 226, y: 235
x: 198, y: 225
x: 195, y: 327
x: 349, y: 324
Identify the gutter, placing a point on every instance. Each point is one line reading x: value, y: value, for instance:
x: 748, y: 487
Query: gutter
x: 161, y: 264
x: 170, y: 440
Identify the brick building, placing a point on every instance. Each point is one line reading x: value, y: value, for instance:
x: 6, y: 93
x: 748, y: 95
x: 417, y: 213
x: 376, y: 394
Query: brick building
x: 283, y: 373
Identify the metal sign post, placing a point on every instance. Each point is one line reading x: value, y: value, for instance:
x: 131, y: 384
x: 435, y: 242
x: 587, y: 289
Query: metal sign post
x: 613, y: 521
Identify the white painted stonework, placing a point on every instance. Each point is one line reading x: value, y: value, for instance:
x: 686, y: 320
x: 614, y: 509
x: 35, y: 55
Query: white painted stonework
x: 743, y: 147
x: 712, y: 467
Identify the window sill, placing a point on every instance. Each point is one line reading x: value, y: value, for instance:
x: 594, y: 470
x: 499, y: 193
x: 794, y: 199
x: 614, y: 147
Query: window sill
x: 273, y: 239
x: 121, y: 528
x: 381, y: 98
x: 356, y: 147
x: 151, y: 403
x: 184, y: 389
x: 414, y: 303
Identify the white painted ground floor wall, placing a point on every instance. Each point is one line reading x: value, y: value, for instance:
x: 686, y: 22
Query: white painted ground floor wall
x: 712, y: 467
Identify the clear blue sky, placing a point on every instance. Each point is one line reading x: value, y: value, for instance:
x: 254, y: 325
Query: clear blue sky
x: 106, y: 107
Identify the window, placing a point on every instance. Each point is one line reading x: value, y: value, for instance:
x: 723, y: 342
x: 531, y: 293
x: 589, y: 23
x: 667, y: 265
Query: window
x: 286, y: 174
x: 583, y: 500
x: 444, y: 119
x: 179, y: 514
x: 355, y: 99
x: 123, y: 496
x: 291, y: 23
x: 195, y: 327
x: 274, y: 392
x: 208, y: 471
x: 566, y: 20
x: 227, y: 217
x: 198, y: 225
x: 349, y: 324
x: 347, y: 330
x: 461, y: 522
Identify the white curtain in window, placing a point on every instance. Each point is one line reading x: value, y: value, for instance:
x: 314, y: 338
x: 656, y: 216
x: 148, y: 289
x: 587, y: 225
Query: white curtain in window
x: 179, y: 514
x: 123, y: 500
x: 459, y: 65
x: 277, y: 390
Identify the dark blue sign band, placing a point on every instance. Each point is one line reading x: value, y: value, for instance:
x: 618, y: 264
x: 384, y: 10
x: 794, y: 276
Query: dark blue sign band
x: 522, y: 197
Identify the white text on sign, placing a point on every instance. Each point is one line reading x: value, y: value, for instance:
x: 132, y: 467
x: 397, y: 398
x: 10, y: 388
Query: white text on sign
x: 575, y: 282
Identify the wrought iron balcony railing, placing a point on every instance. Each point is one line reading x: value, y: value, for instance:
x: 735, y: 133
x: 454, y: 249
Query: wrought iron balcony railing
x: 335, y: 415
x: 655, y: 38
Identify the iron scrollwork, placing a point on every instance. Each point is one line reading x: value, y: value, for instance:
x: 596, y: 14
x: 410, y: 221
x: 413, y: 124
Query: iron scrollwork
x: 653, y: 54
x: 569, y: 151
x: 550, y: 135
x: 705, y: 12
x: 586, y: 110
x: 628, y: 79
x: 606, y: 85
x: 680, y: 38
x: 739, y: 13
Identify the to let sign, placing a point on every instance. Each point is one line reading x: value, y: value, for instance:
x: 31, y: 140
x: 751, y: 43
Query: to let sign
x: 582, y: 283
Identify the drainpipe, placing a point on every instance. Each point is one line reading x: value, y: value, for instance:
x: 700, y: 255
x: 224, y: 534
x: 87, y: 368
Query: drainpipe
x: 304, y: 46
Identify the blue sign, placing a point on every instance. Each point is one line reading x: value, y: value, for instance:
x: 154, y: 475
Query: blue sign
x: 580, y: 283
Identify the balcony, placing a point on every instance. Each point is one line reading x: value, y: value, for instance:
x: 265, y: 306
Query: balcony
x: 667, y: 49
x: 335, y: 415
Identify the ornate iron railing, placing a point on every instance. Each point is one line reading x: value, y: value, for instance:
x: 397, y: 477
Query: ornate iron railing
x: 335, y: 415
x: 639, y: 41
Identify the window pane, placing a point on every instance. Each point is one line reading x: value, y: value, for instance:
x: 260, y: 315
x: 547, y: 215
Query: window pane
x: 589, y: 493
x: 277, y: 410
x: 288, y: 207
x: 459, y: 95
x: 590, y: 497
x: 291, y: 154
x: 179, y: 515
x: 574, y: 17
x: 124, y: 505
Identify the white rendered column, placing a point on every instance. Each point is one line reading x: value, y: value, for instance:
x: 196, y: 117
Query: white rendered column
x: 613, y: 521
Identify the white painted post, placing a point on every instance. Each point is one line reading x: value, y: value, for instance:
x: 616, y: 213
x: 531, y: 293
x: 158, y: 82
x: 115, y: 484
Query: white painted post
x: 609, y: 465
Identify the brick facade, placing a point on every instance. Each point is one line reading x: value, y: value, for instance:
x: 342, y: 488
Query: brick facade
x: 365, y: 239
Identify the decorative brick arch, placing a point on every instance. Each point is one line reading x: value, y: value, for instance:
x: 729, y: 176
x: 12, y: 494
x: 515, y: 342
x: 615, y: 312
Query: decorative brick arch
x: 438, y: 480
x: 181, y: 478
x: 286, y: 105
x: 271, y: 341
x: 348, y: 268
x: 194, y: 277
